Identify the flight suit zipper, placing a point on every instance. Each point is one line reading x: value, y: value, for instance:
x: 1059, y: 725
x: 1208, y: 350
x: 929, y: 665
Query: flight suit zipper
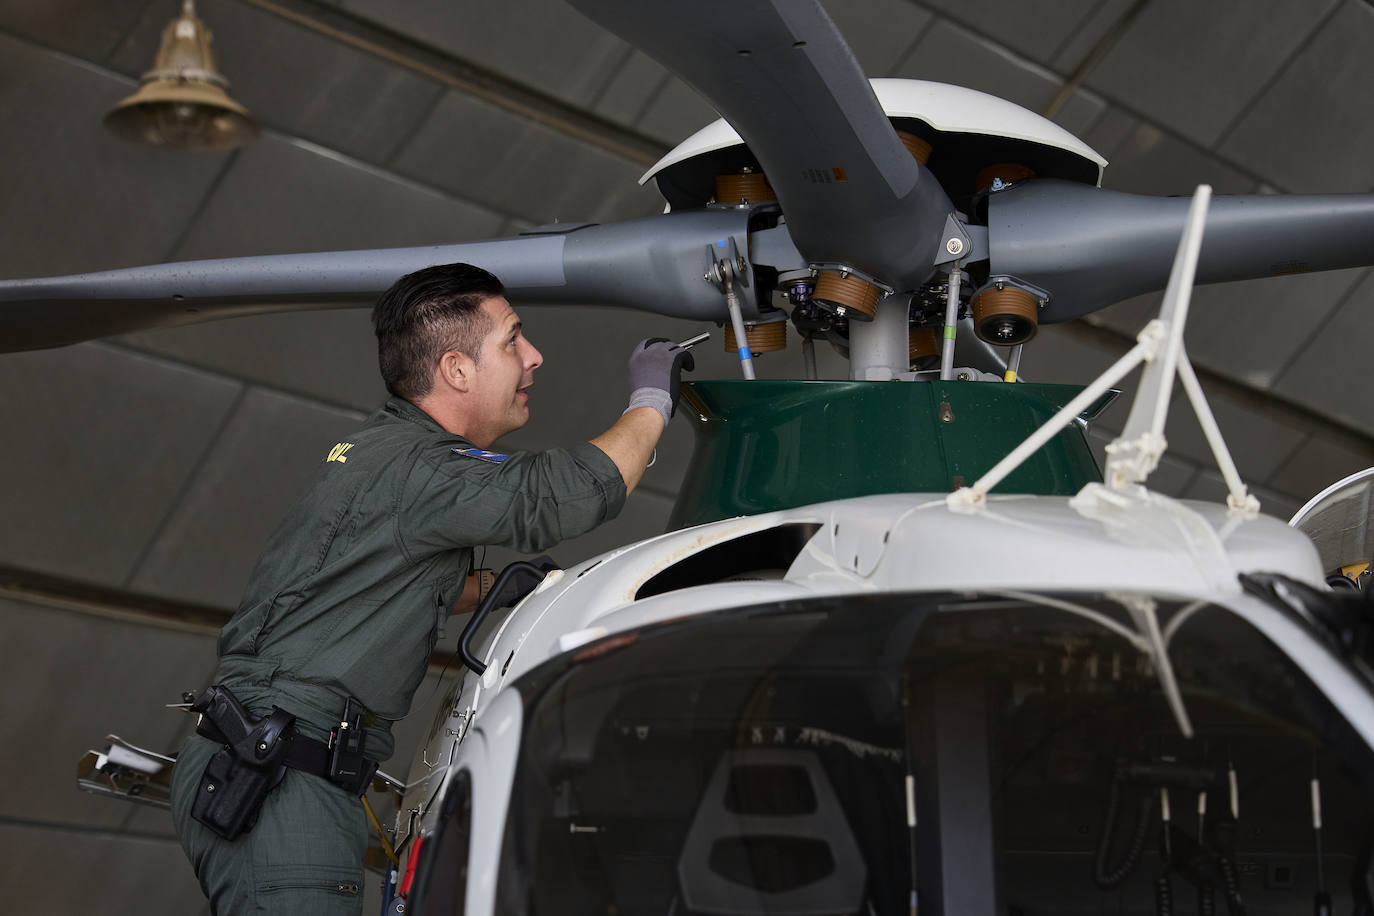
x: 347, y: 888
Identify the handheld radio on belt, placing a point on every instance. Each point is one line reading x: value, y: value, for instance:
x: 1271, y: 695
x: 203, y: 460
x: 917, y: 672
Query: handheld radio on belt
x: 257, y: 753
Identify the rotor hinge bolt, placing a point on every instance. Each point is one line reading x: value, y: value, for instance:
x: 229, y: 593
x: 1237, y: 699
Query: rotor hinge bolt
x: 955, y: 246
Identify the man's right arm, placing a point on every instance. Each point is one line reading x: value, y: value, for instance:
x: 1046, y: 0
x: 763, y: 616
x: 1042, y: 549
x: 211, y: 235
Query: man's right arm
x: 655, y: 371
x: 630, y: 443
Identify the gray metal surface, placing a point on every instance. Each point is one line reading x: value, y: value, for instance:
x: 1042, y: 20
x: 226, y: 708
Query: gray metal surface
x: 1088, y: 246
x: 784, y: 79
x: 624, y: 264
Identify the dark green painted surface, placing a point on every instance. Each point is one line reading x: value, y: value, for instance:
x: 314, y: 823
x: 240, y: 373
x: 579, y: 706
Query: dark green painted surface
x: 767, y: 445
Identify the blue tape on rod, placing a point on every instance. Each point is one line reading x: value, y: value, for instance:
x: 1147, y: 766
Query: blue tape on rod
x: 745, y: 353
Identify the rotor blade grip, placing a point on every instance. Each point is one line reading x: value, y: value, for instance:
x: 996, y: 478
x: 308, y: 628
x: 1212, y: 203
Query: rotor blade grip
x: 1091, y: 248
x: 657, y: 264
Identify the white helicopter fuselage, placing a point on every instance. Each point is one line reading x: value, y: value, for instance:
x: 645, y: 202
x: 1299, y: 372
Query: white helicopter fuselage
x: 1015, y: 547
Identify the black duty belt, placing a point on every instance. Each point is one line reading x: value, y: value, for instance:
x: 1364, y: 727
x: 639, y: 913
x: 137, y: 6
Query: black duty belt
x: 274, y: 740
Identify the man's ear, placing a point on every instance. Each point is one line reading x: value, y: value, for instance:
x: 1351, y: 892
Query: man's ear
x: 455, y: 371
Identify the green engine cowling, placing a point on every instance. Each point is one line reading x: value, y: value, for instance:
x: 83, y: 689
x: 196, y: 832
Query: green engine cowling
x: 767, y: 445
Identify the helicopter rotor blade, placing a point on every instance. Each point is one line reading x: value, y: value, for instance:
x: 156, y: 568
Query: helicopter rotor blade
x: 1091, y: 248
x: 656, y: 264
x: 780, y: 73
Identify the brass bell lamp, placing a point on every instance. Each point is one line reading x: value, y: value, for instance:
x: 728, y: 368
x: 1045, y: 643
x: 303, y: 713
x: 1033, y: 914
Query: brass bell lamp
x: 183, y: 101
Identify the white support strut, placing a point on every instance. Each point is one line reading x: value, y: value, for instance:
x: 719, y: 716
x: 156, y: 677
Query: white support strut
x: 1133, y: 455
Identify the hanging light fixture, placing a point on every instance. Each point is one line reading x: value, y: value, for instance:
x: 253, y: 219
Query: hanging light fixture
x: 183, y: 101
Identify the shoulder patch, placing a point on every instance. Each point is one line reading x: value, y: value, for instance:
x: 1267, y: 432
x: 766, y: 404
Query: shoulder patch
x: 481, y: 454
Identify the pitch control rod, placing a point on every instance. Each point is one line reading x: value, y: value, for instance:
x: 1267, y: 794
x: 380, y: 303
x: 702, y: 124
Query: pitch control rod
x: 723, y: 272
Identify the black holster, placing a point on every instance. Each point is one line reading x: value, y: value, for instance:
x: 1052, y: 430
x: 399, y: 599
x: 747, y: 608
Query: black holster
x: 251, y: 764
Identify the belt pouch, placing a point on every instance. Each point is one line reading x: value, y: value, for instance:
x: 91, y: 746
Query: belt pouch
x: 239, y: 776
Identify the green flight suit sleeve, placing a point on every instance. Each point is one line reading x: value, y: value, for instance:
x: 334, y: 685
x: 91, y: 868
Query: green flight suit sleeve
x: 528, y: 502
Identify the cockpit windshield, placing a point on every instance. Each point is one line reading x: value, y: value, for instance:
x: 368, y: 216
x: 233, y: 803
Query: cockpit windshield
x: 936, y: 753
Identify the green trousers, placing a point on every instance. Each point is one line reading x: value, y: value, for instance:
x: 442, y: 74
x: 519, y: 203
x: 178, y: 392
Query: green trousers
x: 304, y: 857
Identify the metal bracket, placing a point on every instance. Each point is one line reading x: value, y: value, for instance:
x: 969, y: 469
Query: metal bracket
x: 1002, y: 281
x: 844, y: 270
x: 957, y: 243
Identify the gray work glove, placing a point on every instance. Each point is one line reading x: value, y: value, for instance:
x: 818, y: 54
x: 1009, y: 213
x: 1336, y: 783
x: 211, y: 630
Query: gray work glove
x: 656, y: 368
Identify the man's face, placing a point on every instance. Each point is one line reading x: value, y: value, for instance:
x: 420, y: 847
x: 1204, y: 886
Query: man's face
x: 505, y: 367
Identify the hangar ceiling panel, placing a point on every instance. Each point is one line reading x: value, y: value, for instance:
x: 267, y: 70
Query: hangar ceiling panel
x: 951, y: 54
x: 1147, y: 160
x: 677, y: 111
x: 510, y: 164
x: 1334, y: 373
x: 1260, y: 442
x: 879, y: 32
x: 87, y: 30
x: 630, y: 90
x: 1034, y: 29
x: 1252, y: 330
x: 285, y: 195
x: 1321, y: 460
x: 95, y: 452
x: 1233, y: 47
x: 329, y: 356
x: 1311, y: 131
x: 549, y: 46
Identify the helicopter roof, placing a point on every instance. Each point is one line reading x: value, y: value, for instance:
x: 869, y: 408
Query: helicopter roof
x: 1143, y: 543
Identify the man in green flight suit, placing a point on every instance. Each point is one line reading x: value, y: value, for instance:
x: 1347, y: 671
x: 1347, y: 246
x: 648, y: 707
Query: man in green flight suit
x: 353, y: 589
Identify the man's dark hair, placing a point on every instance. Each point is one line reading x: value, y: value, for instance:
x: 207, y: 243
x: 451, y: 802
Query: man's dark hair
x: 423, y: 316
